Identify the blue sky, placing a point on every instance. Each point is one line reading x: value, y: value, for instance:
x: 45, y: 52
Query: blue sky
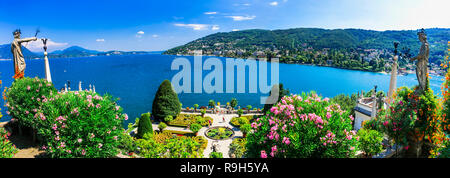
x: 153, y: 25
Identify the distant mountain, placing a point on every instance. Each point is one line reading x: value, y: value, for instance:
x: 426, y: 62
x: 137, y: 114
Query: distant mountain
x: 5, y: 52
x: 251, y: 41
x: 74, y: 51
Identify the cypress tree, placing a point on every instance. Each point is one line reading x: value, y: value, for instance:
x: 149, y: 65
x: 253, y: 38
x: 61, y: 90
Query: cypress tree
x: 145, y: 125
x: 166, y: 102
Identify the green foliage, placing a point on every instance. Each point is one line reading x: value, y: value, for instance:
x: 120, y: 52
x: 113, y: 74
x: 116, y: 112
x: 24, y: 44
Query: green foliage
x: 211, y: 103
x: 238, y: 121
x: 127, y: 143
x: 195, y: 127
x: 25, y: 97
x: 184, y: 120
x: 370, y: 141
x: 170, y: 147
x: 166, y: 101
x: 144, y: 126
x: 237, y: 147
x: 80, y: 124
x: 203, y: 112
x: 7, y: 149
x: 233, y: 102
x: 249, y: 107
x: 168, y: 118
x: 319, y: 130
x: 162, y: 126
x: 240, y: 112
x: 219, y: 133
x: 215, y: 155
x: 341, y: 44
x: 245, y: 128
x: 347, y: 103
x: 195, y: 106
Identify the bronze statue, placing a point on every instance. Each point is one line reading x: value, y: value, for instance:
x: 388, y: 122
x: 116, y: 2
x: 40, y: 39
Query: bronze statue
x: 422, y: 61
x: 16, y: 49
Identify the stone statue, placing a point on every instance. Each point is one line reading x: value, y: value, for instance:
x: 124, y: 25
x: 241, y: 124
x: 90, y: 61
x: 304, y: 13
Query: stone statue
x: 16, y: 49
x: 422, y: 61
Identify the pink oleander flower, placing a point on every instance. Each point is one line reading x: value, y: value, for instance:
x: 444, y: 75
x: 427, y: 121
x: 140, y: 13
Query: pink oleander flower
x: 98, y: 106
x: 286, y: 141
x: 115, y: 137
x: 263, y: 154
x: 83, y: 152
x: 328, y: 115
x: 274, y: 150
x: 28, y: 88
x: 80, y: 140
x: 100, y: 145
x: 117, y: 108
x: 126, y: 116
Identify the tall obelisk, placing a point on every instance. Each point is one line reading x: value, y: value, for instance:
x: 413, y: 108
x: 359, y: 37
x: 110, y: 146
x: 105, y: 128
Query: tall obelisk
x: 48, y: 76
x: 393, y: 83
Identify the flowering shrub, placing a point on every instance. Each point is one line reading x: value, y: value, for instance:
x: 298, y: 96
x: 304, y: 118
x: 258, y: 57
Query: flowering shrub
x: 7, y: 149
x: 302, y: 126
x: 370, y: 141
x: 441, y: 138
x: 80, y: 124
x: 25, y: 97
x: 412, y: 117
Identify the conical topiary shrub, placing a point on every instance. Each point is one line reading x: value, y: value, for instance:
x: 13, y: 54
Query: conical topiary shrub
x: 145, y: 125
x: 166, y: 102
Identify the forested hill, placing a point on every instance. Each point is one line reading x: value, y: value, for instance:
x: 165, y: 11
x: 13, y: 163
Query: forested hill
x: 301, y: 38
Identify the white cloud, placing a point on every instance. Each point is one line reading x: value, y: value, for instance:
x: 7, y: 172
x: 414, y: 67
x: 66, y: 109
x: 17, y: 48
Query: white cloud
x: 139, y: 34
x: 245, y: 4
x: 210, y: 13
x: 100, y: 40
x: 194, y: 26
x: 37, y: 46
x: 155, y: 36
x: 275, y: 3
x: 241, y: 18
x: 215, y: 27
x: 235, y: 30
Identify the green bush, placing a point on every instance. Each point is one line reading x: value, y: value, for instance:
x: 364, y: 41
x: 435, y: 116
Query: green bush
x: 237, y: 147
x: 216, y: 155
x: 174, y: 147
x: 145, y: 125
x: 7, y: 149
x: 370, y: 141
x: 240, y: 112
x: 80, y: 124
x: 168, y: 118
x: 238, y: 121
x: 233, y: 102
x: 127, y: 144
x: 211, y: 103
x: 166, y: 102
x: 245, y: 128
x: 25, y: 97
x: 195, y: 127
x: 162, y: 126
x: 184, y: 120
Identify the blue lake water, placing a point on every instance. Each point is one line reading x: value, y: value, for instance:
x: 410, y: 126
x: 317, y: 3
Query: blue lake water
x: 136, y: 78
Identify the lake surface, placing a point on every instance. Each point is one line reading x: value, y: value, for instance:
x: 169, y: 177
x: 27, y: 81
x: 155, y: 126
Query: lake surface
x: 136, y: 78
